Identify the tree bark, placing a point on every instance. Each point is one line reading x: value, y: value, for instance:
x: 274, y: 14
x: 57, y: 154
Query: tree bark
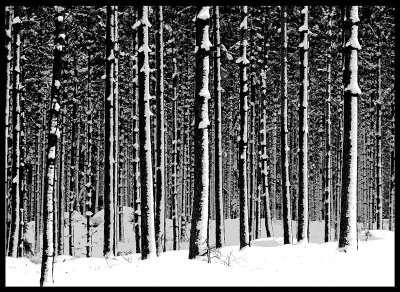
x: 302, y: 229
x: 88, y: 185
x: 109, y: 206
x: 328, y: 156
x: 348, y: 221
x: 136, y: 165
x: 378, y: 141
x: 148, y: 245
x: 175, y: 218
x: 287, y: 232
x: 46, y: 275
x: 243, y: 143
x: 9, y: 17
x: 160, y: 170
x: 263, y: 131
x: 198, y: 234
x: 16, y: 147
x: 219, y: 214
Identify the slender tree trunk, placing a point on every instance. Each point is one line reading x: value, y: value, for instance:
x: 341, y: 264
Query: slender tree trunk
x: 218, y: 132
x: 348, y: 221
x: 328, y: 156
x: 378, y: 139
x: 136, y: 171
x: 263, y: 131
x: 199, y: 228
x: 23, y: 169
x: 392, y: 170
x: 243, y: 143
x: 284, y: 132
x: 38, y: 191
x: 46, y: 275
x: 160, y: 170
x: 16, y: 150
x: 109, y: 206
x: 302, y: 229
x: 61, y: 187
x: 72, y: 179
x: 252, y: 138
x: 116, y: 185
x: 148, y: 245
x: 175, y: 226
x: 88, y: 185
x: 99, y: 141
x: 9, y: 17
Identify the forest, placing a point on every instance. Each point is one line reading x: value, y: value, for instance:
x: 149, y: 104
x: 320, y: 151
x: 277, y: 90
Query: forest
x: 141, y: 130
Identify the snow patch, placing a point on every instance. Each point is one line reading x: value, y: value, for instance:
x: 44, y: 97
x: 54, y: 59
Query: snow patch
x: 204, y: 13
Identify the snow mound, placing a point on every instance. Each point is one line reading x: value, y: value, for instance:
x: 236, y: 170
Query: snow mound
x: 76, y: 217
x: 98, y: 218
x: 366, y: 235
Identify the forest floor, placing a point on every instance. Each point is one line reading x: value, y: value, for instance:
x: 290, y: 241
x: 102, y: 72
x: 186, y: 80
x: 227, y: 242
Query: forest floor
x: 268, y: 262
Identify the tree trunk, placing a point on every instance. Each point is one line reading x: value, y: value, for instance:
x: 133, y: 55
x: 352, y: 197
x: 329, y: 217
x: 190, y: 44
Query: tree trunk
x: 287, y: 232
x: 302, y: 229
x: 198, y: 233
x: 116, y: 186
x: 392, y: 169
x: 175, y: 226
x: 136, y: 165
x: 8, y: 58
x: 160, y: 170
x: 16, y: 149
x: 243, y: 63
x: 348, y: 221
x: 61, y: 187
x: 148, y: 245
x: 378, y: 139
x: 263, y: 131
x: 108, y: 201
x: 46, y: 275
x: 219, y: 216
x: 328, y: 156
x: 88, y: 185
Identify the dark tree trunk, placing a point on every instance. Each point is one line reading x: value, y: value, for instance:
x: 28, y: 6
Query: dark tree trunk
x: 46, y: 275
x: 198, y: 234
x: 348, y: 221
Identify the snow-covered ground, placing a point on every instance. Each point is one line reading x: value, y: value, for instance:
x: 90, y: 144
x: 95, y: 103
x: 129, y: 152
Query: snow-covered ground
x: 266, y: 263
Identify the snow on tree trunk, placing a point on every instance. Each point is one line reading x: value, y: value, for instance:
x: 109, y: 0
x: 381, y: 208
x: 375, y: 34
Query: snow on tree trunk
x: 378, y: 141
x: 302, y: 229
x: 328, y: 156
x: 37, y: 190
x: 287, y: 232
x: 109, y: 206
x: 175, y: 226
x: 23, y: 169
x: 72, y: 180
x: 252, y: 137
x: 16, y: 149
x: 88, y: 174
x: 46, y: 274
x: 263, y: 131
x: 148, y: 245
x: 392, y: 169
x: 198, y: 234
x: 61, y: 186
x: 243, y: 63
x: 116, y: 186
x: 348, y: 220
x: 136, y: 170
x: 160, y: 169
x: 8, y: 58
x: 219, y: 216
